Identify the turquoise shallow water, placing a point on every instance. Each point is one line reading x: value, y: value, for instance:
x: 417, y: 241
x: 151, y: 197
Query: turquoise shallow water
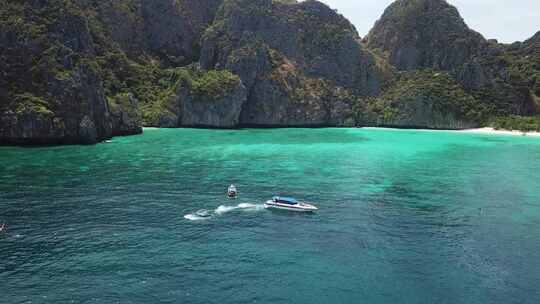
x: 405, y: 217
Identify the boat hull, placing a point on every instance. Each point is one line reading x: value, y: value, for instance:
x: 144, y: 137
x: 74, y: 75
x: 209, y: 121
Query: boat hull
x: 294, y: 208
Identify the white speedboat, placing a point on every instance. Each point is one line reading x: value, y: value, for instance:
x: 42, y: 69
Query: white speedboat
x: 290, y: 204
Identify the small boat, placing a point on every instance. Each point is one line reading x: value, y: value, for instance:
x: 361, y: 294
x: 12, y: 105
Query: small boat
x: 232, y: 192
x: 288, y: 203
x: 3, y: 227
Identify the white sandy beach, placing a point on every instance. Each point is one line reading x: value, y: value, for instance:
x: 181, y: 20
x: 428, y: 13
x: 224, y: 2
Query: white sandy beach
x: 485, y: 131
x: 499, y: 132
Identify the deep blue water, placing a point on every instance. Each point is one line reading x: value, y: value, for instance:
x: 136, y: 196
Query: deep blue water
x: 405, y: 217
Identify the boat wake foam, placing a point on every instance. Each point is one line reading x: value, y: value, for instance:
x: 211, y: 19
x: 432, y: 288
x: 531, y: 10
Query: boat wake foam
x: 194, y: 217
x: 244, y: 206
x: 205, y: 214
x: 200, y: 215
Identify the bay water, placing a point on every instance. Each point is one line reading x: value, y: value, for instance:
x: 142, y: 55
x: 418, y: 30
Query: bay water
x: 404, y: 216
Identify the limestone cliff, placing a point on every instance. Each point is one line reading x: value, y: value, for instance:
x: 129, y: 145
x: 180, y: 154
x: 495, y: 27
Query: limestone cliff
x: 51, y: 92
x: 200, y: 98
x: 419, y: 34
x: 293, y: 58
x: 80, y: 71
x: 423, y: 99
x: 416, y: 34
x: 168, y: 30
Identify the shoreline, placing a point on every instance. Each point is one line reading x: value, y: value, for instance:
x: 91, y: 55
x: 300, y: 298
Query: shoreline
x: 492, y: 131
x: 480, y: 131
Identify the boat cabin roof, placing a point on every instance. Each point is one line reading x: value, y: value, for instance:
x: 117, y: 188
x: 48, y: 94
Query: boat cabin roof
x: 285, y: 200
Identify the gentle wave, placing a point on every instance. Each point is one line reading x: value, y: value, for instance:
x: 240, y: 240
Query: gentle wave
x: 200, y: 215
x: 194, y: 217
x: 205, y: 214
x: 224, y: 209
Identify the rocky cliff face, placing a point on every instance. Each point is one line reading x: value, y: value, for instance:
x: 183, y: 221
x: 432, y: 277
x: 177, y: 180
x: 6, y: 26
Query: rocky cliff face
x: 420, y: 34
x: 423, y: 99
x: 534, y: 40
x: 212, y: 111
x: 80, y: 71
x: 416, y: 34
x: 503, y: 77
x: 51, y: 93
x: 293, y: 58
x: 169, y: 30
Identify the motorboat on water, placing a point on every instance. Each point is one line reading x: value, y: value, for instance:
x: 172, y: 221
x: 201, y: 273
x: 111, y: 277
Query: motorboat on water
x: 290, y: 204
x: 232, y: 192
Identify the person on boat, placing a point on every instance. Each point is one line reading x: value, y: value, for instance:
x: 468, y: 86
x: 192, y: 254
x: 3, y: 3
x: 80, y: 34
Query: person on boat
x: 232, y: 191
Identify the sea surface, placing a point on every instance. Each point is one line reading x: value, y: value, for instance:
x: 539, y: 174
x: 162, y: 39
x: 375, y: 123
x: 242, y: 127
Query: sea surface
x: 405, y: 217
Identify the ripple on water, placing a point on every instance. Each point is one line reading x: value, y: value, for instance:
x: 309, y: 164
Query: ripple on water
x: 404, y: 216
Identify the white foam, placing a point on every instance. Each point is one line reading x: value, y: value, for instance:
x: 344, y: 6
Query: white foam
x: 204, y: 214
x: 251, y: 206
x: 224, y: 209
x: 198, y: 216
x: 244, y: 206
x: 192, y: 217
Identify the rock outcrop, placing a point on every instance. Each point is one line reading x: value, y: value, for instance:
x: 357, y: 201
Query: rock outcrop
x: 293, y: 58
x: 125, y: 115
x: 423, y: 99
x: 51, y: 92
x: 199, y: 98
x: 209, y: 111
x: 420, y: 34
x: 80, y: 71
x: 534, y: 40
x: 169, y: 30
x: 417, y: 34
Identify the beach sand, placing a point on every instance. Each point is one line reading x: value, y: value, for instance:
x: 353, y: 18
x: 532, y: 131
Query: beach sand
x: 499, y: 132
x: 484, y: 131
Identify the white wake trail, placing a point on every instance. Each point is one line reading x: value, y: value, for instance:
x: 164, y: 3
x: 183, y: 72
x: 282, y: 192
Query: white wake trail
x: 198, y: 216
x: 244, y: 206
x: 223, y: 209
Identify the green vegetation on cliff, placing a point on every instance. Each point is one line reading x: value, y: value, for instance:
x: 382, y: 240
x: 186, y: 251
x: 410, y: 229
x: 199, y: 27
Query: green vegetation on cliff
x: 508, y: 78
x: 521, y: 123
x: 27, y: 103
x: 212, y: 84
x: 149, y: 83
x: 159, y: 90
x: 94, y: 69
x: 151, y: 79
x: 524, y: 66
x: 434, y: 92
x: 33, y: 53
x: 439, y: 87
x: 419, y: 34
